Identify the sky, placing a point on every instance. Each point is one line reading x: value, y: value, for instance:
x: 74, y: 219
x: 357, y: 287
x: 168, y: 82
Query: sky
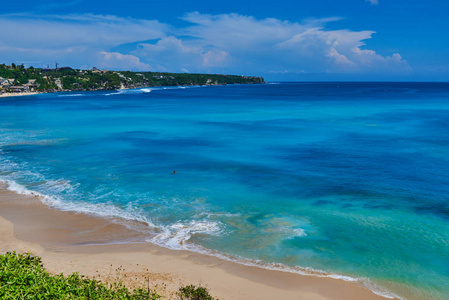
x: 302, y: 40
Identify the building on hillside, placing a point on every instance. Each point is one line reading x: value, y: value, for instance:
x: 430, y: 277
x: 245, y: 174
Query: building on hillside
x: 32, y: 85
x: 4, y: 82
x: 17, y: 89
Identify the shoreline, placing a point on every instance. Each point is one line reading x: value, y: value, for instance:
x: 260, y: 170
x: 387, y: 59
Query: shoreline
x: 97, y: 247
x: 4, y: 95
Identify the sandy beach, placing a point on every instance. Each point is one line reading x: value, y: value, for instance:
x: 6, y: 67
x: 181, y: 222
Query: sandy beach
x: 69, y: 242
x: 17, y: 94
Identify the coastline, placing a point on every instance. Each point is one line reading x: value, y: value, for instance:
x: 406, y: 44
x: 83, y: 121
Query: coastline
x: 123, y: 88
x: 70, y: 242
x: 18, y: 94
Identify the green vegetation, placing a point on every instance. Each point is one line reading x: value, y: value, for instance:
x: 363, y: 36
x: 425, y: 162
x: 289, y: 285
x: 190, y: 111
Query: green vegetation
x: 67, y: 79
x: 22, y: 276
x: 191, y: 292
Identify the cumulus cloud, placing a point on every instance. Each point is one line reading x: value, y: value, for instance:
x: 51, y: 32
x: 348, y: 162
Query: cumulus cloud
x: 276, y: 45
x: 225, y: 43
x: 177, y: 54
x: 374, y: 2
x: 71, y: 39
x: 115, y: 60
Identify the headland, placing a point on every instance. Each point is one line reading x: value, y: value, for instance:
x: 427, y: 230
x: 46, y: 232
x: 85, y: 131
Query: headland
x: 18, y: 80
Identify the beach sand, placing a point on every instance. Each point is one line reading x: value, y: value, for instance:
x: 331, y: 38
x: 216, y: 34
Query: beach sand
x: 17, y: 94
x: 69, y: 242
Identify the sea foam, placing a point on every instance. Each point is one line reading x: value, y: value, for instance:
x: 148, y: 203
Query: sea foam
x: 178, y: 235
x: 71, y: 95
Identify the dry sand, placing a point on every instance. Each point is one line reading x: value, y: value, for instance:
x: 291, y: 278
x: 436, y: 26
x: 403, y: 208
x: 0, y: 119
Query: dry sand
x: 17, y: 94
x: 69, y: 242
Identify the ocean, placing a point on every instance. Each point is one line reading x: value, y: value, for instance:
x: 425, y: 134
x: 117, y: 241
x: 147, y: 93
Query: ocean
x: 347, y: 180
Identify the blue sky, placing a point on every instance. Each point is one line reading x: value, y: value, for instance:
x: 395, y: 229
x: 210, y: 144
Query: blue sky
x: 280, y: 40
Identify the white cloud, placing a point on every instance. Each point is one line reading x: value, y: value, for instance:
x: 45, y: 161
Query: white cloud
x: 297, y: 47
x: 226, y: 43
x: 374, y: 2
x: 49, y: 31
x: 71, y: 39
x: 339, y: 59
x: 177, y: 54
x: 115, y: 60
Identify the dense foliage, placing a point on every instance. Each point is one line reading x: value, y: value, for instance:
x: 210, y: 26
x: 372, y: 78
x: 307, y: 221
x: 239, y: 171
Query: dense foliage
x: 22, y: 276
x: 191, y: 292
x: 70, y: 79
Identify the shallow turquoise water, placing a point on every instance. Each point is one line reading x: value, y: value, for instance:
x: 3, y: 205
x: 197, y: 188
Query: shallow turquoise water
x: 347, y: 178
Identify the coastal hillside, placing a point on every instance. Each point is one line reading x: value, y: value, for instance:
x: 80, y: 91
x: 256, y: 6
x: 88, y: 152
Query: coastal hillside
x: 18, y: 79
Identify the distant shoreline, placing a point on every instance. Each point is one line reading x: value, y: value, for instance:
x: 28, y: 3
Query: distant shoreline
x: 4, y: 95
x: 18, y: 79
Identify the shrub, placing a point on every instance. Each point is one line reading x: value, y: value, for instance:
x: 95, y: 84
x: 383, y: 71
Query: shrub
x: 22, y: 276
x: 191, y: 292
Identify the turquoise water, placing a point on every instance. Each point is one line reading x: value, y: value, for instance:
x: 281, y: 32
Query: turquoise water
x: 349, y: 180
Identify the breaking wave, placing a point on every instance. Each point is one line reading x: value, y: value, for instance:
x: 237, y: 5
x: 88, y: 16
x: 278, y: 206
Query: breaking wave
x: 71, y: 95
x: 177, y: 236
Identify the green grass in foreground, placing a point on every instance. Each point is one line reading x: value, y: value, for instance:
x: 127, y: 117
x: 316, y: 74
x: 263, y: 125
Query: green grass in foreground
x: 22, y: 276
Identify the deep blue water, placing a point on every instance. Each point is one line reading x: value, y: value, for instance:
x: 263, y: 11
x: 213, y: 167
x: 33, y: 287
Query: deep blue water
x: 351, y: 179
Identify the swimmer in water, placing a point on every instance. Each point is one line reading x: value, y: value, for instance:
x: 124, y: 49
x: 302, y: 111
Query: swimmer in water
x: 174, y: 172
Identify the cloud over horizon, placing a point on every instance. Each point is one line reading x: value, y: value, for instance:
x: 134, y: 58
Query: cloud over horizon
x: 225, y: 43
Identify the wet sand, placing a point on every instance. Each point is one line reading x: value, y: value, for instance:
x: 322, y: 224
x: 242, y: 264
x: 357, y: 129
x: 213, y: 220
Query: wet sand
x: 105, y: 249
